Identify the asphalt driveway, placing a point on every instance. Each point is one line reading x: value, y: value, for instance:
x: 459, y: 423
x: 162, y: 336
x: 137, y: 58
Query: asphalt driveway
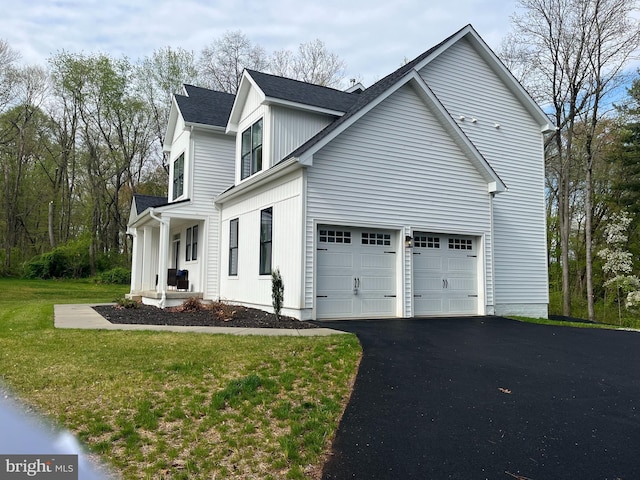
x: 487, y: 397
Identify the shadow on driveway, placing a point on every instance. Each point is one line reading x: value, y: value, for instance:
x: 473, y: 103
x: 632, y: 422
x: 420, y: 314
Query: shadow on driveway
x: 488, y: 397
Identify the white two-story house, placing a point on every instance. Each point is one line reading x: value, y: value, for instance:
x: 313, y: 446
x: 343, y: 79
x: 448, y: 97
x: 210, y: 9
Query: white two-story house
x: 422, y: 195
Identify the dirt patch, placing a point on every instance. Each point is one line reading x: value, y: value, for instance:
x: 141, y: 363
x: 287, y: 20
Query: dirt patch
x: 216, y: 315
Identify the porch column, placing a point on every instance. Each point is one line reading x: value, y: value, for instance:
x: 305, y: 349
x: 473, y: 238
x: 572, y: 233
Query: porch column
x: 147, y: 275
x: 136, y: 259
x: 163, y: 259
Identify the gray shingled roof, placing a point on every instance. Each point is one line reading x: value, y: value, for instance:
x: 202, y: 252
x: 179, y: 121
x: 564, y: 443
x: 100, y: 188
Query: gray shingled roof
x: 366, y: 97
x: 204, y: 106
x: 304, y: 93
x: 147, y: 201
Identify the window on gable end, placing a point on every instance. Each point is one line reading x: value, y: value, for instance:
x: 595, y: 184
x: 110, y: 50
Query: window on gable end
x: 251, y: 154
x: 178, y: 176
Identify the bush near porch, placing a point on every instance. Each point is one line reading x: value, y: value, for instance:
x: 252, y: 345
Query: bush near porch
x: 166, y: 405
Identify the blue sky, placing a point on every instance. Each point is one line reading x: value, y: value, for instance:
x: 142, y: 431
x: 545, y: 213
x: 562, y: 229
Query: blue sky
x: 372, y: 37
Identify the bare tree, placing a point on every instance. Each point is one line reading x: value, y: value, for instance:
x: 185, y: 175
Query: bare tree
x: 312, y: 63
x: 570, y: 53
x: 8, y: 77
x: 224, y: 60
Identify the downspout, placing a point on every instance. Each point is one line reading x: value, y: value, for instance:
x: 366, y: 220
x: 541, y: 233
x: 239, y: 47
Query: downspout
x: 493, y: 255
x: 163, y: 247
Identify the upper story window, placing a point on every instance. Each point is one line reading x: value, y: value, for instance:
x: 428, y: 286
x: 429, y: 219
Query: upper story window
x: 178, y: 176
x: 251, y: 155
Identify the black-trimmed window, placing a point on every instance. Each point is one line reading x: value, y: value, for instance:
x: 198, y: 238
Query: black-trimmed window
x: 266, y: 231
x: 194, y: 243
x: 191, y: 252
x: 233, y: 247
x: 187, y: 253
x: 251, y: 154
x: 178, y: 176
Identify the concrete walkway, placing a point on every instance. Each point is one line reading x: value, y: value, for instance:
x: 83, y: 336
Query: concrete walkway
x: 82, y: 316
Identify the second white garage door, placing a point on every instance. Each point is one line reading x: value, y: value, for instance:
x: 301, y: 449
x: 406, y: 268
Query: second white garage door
x: 445, y: 280
x: 356, y: 273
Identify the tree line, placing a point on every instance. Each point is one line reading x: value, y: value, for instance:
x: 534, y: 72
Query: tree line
x: 573, y: 57
x: 80, y: 135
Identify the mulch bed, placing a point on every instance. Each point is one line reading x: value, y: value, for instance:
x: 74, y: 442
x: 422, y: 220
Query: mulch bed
x: 210, y: 316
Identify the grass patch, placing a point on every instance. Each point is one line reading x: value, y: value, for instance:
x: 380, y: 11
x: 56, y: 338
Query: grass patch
x: 606, y: 313
x: 169, y: 405
x: 544, y: 321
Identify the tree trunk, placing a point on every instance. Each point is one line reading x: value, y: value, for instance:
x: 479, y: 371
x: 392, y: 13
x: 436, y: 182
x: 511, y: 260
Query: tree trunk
x: 564, y: 214
x: 52, y: 238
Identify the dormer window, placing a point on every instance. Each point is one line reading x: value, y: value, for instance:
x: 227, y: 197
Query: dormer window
x: 178, y: 176
x: 251, y: 150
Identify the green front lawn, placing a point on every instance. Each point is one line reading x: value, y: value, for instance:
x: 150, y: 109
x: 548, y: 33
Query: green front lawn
x: 168, y: 405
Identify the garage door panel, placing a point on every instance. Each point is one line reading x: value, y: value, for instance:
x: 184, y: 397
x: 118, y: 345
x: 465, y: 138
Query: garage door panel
x: 428, y: 306
x: 427, y: 264
x: 383, y: 284
x: 463, y: 305
x: 461, y: 264
x: 444, y: 275
x: 425, y: 284
x: 332, y: 259
x: 377, y: 260
x: 366, y: 263
x: 461, y: 284
x: 335, y: 283
x: 335, y: 307
x: 378, y: 306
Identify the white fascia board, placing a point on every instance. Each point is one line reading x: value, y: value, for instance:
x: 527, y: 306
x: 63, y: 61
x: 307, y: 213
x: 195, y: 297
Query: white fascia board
x: 171, y: 125
x: 257, y: 180
x: 498, y: 67
x: 302, y: 106
x: 495, y: 184
x: 246, y: 84
x: 204, y: 126
x: 164, y: 211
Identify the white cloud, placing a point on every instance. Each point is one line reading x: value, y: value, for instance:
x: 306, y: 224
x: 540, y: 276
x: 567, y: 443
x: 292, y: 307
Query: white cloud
x: 373, y: 38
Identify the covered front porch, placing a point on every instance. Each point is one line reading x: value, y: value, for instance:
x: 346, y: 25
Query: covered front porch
x: 167, y: 261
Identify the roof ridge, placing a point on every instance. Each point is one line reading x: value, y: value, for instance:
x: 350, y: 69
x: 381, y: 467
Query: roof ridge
x: 250, y: 71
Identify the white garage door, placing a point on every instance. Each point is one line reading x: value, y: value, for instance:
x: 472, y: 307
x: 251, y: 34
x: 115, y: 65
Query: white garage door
x: 444, y: 275
x: 356, y: 273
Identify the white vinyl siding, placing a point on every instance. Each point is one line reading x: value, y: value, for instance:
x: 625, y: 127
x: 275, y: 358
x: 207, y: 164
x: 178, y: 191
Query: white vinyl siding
x: 291, y: 128
x: 467, y: 87
x: 396, y: 167
x: 213, y: 172
x: 284, y: 195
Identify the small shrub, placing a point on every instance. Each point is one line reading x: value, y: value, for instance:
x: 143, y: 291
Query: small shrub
x: 124, y: 302
x: 118, y: 276
x: 277, y: 292
x: 191, y: 304
x: 223, y: 311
